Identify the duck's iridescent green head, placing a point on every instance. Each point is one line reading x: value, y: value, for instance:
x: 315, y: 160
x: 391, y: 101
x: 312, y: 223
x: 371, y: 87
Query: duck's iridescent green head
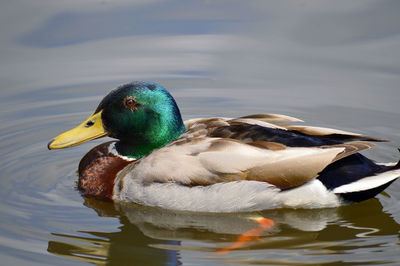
x: 142, y: 115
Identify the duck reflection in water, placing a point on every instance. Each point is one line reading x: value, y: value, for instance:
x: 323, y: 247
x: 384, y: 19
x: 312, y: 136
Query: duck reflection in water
x: 119, y: 247
x: 152, y: 236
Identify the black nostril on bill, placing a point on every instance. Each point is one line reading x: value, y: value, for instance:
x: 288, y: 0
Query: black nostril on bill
x: 89, y: 123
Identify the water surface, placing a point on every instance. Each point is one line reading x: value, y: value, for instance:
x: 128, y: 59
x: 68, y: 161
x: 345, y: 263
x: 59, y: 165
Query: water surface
x: 330, y: 63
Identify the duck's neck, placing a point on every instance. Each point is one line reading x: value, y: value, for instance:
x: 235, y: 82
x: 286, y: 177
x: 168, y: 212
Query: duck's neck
x: 142, y: 144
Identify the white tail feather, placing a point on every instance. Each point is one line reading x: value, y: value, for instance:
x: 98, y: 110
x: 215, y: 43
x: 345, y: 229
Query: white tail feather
x: 368, y: 182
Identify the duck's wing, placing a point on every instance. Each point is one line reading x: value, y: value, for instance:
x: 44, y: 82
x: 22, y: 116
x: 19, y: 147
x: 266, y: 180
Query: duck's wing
x: 258, y: 125
x: 330, y: 133
x: 267, y: 120
x: 219, y: 150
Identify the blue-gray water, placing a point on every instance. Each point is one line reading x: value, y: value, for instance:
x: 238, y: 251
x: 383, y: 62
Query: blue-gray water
x: 331, y: 63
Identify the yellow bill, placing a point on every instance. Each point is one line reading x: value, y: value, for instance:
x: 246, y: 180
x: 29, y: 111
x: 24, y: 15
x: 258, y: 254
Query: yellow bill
x: 91, y: 128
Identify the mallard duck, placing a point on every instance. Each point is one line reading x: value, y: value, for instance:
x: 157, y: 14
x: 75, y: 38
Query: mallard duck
x: 218, y: 164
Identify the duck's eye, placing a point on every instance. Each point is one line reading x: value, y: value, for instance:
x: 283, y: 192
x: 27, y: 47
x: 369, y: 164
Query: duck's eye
x: 129, y: 102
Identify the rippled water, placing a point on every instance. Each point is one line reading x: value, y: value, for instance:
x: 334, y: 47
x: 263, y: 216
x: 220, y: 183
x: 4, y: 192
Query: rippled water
x: 330, y: 63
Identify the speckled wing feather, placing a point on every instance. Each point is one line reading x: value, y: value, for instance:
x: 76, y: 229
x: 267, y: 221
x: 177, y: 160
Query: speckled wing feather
x: 216, y: 150
x: 246, y: 126
x: 273, y: 118
x: 330, y: 133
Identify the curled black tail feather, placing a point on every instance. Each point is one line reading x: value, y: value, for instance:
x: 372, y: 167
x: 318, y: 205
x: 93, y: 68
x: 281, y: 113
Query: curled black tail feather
x: 397, y: 166
x: 365, y: 194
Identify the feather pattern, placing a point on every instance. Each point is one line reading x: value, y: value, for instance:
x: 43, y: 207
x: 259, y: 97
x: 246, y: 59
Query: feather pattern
x: 218, y: 151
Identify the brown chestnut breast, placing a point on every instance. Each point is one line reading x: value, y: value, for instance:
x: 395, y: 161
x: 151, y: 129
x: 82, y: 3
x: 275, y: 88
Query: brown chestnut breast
x: 98, y: 170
